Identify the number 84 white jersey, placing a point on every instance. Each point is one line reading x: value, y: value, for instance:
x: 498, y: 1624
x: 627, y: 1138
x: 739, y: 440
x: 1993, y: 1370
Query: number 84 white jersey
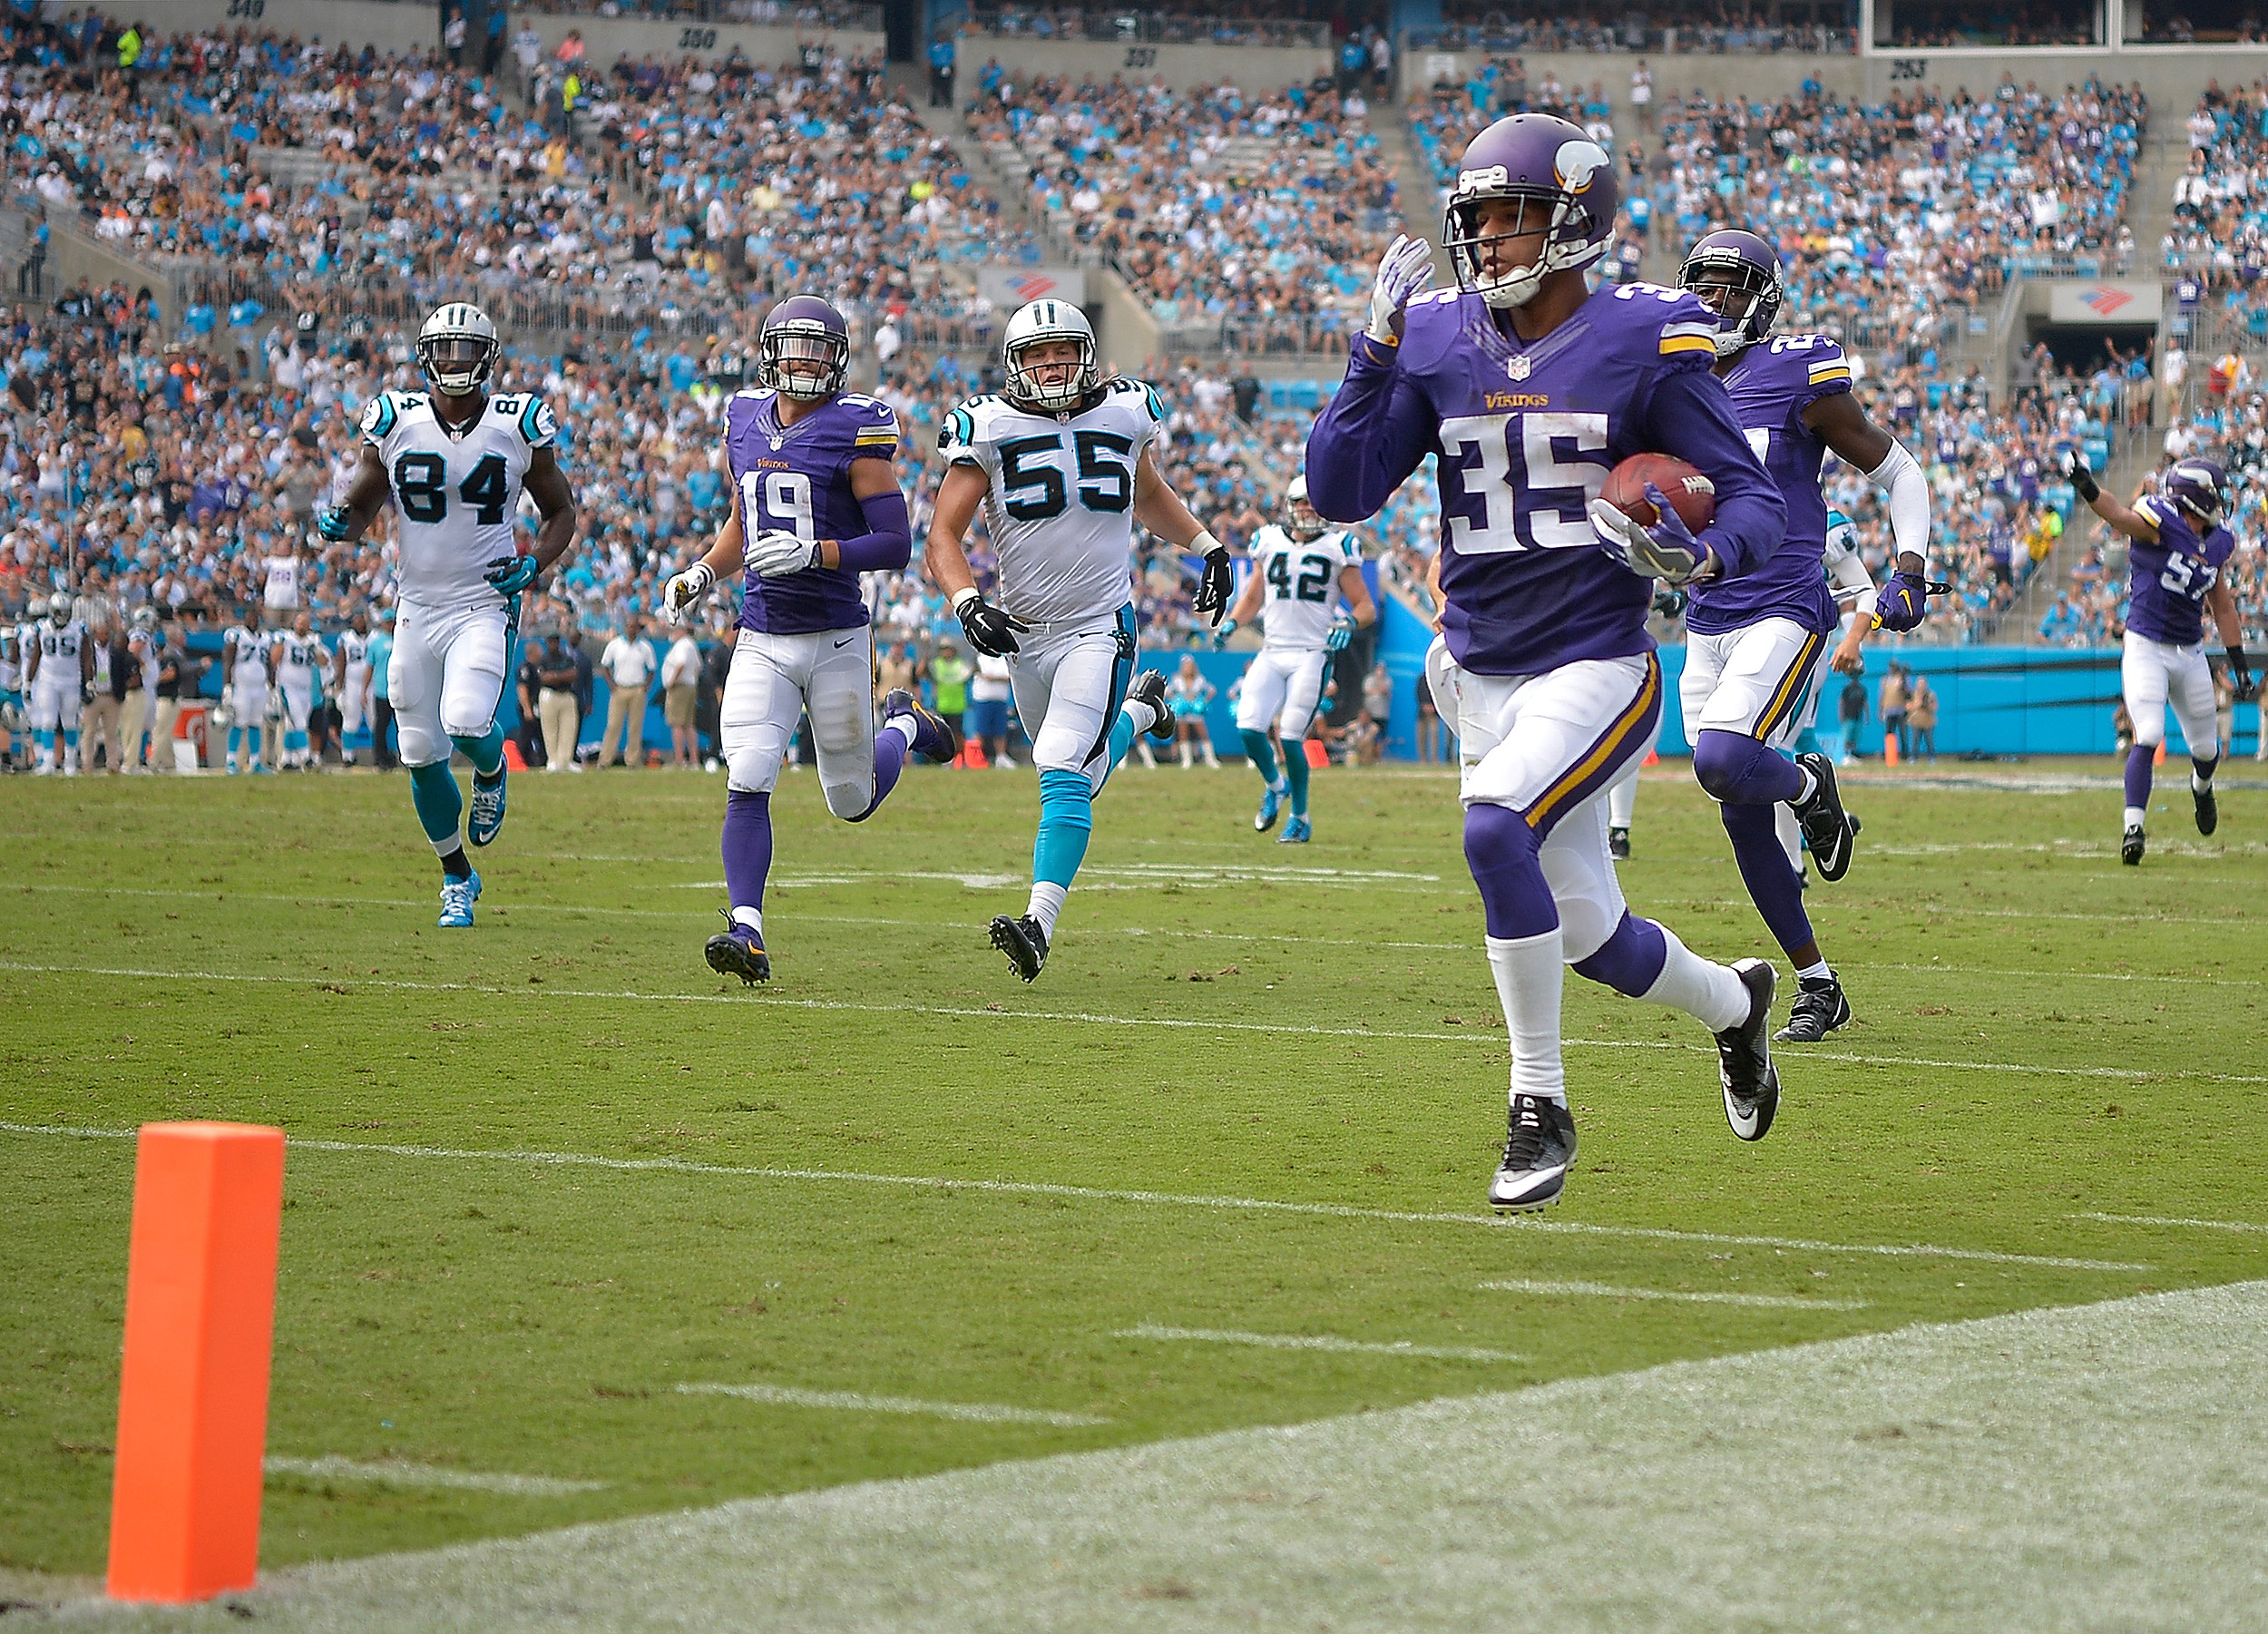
x: 455, y: 496
x: 1302, y: 576
x: 1061, y: 507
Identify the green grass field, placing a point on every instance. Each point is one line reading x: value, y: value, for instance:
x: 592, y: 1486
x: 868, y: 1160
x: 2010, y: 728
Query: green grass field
x: 547, y: 1173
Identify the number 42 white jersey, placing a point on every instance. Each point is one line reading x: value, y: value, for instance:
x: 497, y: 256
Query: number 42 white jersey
x: 455, y: 495
x: 1302, y: 577
x: 1061, y: 507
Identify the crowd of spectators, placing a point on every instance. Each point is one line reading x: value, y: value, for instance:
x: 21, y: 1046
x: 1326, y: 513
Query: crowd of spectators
x: 2218, y: 230
x: 1716, y: 29
x: 1221, y: 207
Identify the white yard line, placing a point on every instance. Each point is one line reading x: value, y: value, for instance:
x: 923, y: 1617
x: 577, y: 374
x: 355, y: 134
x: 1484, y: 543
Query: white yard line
x: 1369, y: 1347
x: 394, y: 1473
x: 1158, y: 1199
x: 2094, y: 1467
x: 1521, y: 1285
x: 1177, y: 1023
x: 845, y: 1401
x: 2157, y: 1220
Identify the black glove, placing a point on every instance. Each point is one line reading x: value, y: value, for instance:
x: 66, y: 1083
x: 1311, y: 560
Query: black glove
x: 990, y: 629
x: 2075, y: 468
x: 1214, y: 590
x: 2241, y: 675
x: 1668, y: 601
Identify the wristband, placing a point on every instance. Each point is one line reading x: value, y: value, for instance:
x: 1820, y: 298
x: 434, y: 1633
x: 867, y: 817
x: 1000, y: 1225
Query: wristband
x: 1205, y: 544
x: 962, y: 597
x: 2084, y: 483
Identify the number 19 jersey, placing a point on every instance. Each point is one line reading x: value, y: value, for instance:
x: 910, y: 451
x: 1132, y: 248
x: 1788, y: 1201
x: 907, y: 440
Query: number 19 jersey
x: 1302, y: 576
x: 456, y: 495
x: 1060, y: 503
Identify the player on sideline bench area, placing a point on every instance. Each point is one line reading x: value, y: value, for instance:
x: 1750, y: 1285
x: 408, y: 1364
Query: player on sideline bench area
x: 1528, y: 388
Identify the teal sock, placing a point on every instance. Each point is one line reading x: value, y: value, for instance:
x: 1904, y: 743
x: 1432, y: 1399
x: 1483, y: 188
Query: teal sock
x: 1121, y: 739
x: 487, y: 752
x: 1067, y: 816
x: 439, y: 802
x: 236, y: 740
x: 1295, y: 774
x: 1263, y: 753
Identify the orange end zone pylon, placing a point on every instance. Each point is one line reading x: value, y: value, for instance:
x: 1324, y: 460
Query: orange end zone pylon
x: 193, y: 1393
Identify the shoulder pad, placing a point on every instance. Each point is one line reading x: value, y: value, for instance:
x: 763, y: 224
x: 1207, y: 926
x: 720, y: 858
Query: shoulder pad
x: 538, y: 427
x: 380, y: 416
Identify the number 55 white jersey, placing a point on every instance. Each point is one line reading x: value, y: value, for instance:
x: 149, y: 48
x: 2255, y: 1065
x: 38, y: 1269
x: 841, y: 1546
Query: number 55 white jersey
x: 455, y: 495
x: 1060, y: 505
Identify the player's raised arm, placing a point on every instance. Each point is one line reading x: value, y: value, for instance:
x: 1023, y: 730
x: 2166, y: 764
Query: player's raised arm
x: 1378, y: 427
x: 2131, y: 521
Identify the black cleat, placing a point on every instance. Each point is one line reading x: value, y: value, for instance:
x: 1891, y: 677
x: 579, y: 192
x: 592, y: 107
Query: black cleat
x: 933, y: 735
x: 1619, y: 844
x: 1828, y: 829
x: 1539, y: 1150
x: 1819, y: 1009
x: 1743, y: 1057
x: 2130, y: 847
x: 1025, y: 942
x: 2208, y: 808
x: 1149, y: 688
x: 739, y: 952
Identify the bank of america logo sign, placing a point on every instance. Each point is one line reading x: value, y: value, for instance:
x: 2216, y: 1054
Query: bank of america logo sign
x: 2106, y: 301
x: 1034, y: 286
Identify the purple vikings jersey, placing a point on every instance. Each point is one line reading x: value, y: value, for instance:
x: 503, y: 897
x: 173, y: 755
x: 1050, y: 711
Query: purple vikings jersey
x: 799, y: 481
x: 2170, y: 577
x: 1771, y: 384
x: 1522, y: 438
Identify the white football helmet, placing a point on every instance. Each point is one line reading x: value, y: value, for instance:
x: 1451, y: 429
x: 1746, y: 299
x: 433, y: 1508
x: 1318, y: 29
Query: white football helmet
x: 34, y: 609
x: 1302, y: 521
x: 457, y: 349
x: 1036, y: 324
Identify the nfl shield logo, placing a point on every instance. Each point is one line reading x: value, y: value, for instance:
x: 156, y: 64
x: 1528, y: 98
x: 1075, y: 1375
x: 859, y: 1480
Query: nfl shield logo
x: 1519, y: 367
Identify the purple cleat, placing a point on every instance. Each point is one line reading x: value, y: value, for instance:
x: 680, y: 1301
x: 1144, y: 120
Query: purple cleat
x: 933, y: 736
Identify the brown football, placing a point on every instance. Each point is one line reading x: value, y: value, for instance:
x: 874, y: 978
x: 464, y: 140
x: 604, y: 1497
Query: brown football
x: 1691, y: 495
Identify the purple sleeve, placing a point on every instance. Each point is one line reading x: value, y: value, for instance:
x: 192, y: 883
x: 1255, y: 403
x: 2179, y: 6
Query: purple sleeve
x: 1375, y: 432
x: 887, y: 545
x: 1690, y: 414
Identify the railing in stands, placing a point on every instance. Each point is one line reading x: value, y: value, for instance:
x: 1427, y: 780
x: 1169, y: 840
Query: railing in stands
x: 1135, y: 28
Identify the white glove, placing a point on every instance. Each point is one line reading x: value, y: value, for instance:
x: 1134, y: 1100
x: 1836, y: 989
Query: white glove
x: 776, y: 552
x: 1668, y: 550
x: 1404, y: 271
x: 682, y: 591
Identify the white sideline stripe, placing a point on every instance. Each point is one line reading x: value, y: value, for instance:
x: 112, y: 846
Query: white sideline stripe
x: 1162, y: 1199
x: 1085, y: 1018
x: 2089, y: 1467
x: 1174, y: 932
x: 2157, y: 1220
x: 1369, y: 1347
x: 1787, y: 1302
x: 845, y: 1401
x: 398, y: 1473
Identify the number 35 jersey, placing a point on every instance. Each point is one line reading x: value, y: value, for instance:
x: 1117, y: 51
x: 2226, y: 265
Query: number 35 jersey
x: 455, y: 495
x: 1522, y: 437
x: 1061, y: 504
x: 798, y: 481
x: 1302, y: 576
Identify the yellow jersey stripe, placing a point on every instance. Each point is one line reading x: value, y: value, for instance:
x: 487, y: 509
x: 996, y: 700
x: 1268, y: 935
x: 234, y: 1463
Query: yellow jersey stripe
x: 1672, y: 344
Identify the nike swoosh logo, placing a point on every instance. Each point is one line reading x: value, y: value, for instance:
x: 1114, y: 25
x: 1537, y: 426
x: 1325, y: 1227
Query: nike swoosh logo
x: 845, y: 642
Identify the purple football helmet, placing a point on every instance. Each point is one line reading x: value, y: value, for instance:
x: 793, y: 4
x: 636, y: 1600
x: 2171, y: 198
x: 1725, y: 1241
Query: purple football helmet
x: 1743, y: 271
x: 803, y: 329
x: 1550, y: 167
x: 2199, y: 487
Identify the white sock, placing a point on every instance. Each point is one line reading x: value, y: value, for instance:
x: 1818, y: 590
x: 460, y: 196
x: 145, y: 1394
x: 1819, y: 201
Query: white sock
x: 1811, y: 785
x: 1209, y: 760
x: 2199, y: 785
x: 1711, y: 994
x: 1790, y: 834
x: 1529, y: 972
x: 1046, y: 901
x: 751, y: 917
x: 904, y: 725
x: 2133, y: 817
x: 1134, y: 709
x: 1813, y: 973
x: 1185, y: 754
